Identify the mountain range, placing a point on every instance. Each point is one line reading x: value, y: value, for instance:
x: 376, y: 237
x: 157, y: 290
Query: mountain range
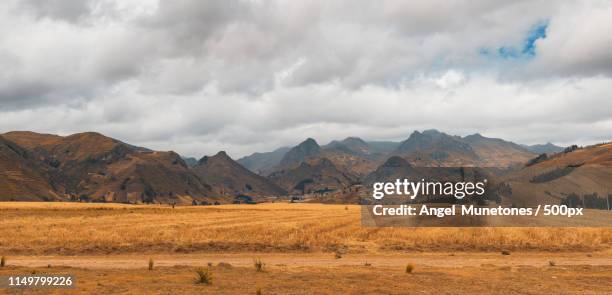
x: 93, y: 167
x: 427, y: 148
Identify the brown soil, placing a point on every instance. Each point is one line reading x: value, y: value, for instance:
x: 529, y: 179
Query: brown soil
x: 434, y: 273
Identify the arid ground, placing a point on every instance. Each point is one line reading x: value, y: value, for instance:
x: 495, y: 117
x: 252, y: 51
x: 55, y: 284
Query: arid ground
x: 306, y: 248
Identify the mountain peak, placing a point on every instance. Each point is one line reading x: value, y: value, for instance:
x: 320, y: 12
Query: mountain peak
x: 436, y: 145
x: 301, y: 152
x: 309, y: 141
x: 475, y: 137
x: 222, y: 154
x: 353, y: 139
x: 396, y: 161
x: 203, y: 160
x: 355, y: 142
x: 431, y: 132
x: 228, y: 177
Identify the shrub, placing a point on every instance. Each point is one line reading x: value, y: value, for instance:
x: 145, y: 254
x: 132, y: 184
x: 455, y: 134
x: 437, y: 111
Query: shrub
x: 551, y: 263
x: 505, y: 252
x: 258, y: 291
x: 2, y: 261
x: 259, y: 265
x: 409, y: 268
x: 151, y: 263
x: 204, y: 276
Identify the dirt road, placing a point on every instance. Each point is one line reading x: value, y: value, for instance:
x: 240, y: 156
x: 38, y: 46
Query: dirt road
x: 316, y: 260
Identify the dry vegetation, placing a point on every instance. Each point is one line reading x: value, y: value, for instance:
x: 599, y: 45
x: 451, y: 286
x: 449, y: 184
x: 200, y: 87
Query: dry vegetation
x: 486, y: 279
x: 73, y: 228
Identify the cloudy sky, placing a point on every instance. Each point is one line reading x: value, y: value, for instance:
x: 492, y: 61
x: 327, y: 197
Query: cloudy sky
x: 244, y: 76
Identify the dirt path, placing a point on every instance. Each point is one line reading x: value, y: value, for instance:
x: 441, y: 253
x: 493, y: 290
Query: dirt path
x: 300, y: 260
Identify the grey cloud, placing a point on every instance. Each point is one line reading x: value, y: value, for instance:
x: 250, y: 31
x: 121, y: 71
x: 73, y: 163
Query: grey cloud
x: 66, y: 10
x: 245, y: 76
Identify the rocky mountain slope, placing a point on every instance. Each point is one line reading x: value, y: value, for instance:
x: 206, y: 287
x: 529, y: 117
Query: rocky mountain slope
x: 227, y: 177
x: 22, y: 177
x: 316, y: 175
x: 90, y: 166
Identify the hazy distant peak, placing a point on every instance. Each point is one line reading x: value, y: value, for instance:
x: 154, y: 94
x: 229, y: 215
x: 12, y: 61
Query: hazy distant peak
x: 222, y: 154
x: 307, y: 147
x: 474, y: 136
x: 548, y: 148
x: 309, y: 141
x: 431, y: 132
x: 396, y: 161
x: 352, y: 139
x: 203, y: 160
x: 301, y: 152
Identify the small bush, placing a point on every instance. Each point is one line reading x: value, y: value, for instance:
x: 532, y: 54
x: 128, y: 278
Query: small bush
x: 409, y: 268
x: 338, y: 255
x: 367, y: 264
x: 151, y: 263
x: 2, y: 261
x: 551, y: 263
x: 258, y: 292
x: 259, y: 265
x: 204, y: 276
x: 505, y: 252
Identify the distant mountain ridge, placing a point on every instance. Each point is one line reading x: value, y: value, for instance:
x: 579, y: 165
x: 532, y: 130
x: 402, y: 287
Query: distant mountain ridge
x: 428, y: 148
x: 92, y: 167
x: 262, y: 163
x: 228, y: 177
x: 547, y: 148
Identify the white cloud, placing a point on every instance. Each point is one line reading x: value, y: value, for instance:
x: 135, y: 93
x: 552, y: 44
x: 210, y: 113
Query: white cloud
x: 246, y: 76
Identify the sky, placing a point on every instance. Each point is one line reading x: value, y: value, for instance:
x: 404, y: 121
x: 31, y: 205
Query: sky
x: 197, y: 76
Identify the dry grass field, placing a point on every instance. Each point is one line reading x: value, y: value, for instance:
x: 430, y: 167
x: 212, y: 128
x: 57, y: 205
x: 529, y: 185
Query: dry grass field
x: 306, y: 248
x: 74, y: 228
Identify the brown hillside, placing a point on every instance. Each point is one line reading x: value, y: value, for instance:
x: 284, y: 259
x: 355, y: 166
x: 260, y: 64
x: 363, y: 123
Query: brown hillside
x: 230, y: 178
x: 21, y: 176
x: 582, y: 172
x: 313, y: 176
x: 91, y: 166
x: 495, y: 152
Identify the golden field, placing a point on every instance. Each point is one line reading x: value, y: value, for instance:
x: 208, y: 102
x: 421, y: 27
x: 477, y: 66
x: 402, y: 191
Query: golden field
x: 306, y: 249
x: 79, y: 229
